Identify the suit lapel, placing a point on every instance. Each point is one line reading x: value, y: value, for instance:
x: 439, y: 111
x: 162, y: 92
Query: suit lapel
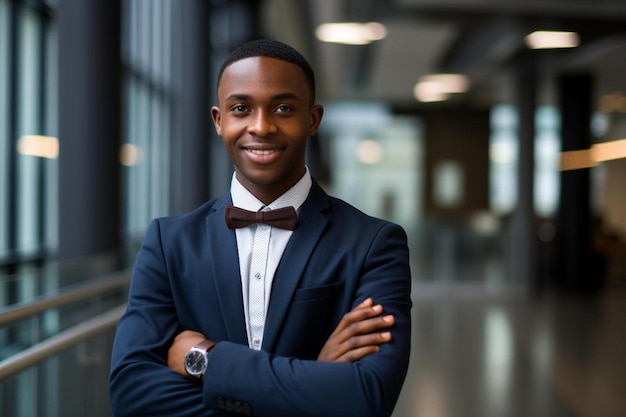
x: 225, y: 272
x: 311, y: 225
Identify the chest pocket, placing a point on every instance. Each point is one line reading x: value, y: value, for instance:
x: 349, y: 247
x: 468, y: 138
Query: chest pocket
x: 330, y: 291
x: 311, y: 319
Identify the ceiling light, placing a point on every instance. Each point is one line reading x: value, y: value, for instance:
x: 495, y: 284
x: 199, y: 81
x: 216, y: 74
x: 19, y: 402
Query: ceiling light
x: 429, y: 92
x: 546, y: 39
x: 351, y: 33
x: 438, y: 87
x: 450, y: 83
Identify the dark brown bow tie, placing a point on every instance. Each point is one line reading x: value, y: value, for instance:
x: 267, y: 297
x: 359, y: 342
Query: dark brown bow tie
x: 283, y: 218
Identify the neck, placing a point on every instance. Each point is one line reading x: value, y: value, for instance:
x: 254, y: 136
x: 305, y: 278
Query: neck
x: 268, y: 193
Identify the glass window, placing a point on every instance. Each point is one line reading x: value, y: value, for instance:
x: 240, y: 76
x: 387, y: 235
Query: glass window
x: 51, y: 128
x: 503, y: 149
x: 377, y: 160
x: 28, y: 124
x: 547, y: 146
x: 503, y: 155
x: 160, y: 172
x: 146, y: 47
x: 4, y: 126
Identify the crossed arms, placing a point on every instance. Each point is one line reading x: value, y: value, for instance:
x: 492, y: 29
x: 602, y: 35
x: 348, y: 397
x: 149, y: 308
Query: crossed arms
x: 357, y: 335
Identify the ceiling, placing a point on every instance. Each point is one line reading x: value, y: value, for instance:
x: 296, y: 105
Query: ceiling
x: 482, y: 39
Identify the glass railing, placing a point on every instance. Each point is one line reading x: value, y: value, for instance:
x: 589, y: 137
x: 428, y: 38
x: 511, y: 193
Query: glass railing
x: 56, y: 330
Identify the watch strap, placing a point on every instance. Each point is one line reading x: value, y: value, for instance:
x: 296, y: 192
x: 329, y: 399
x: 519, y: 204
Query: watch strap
x: 205, y: 345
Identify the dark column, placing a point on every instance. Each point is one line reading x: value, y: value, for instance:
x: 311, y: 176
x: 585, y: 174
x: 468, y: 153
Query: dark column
x: 12, y: 192
x: 89, y: 168
x: 190, y: 142
x: 89, y: 127
x: 233, y: 22
x: 522, y: 229
x: 573, y: 238
x: 205, y: 33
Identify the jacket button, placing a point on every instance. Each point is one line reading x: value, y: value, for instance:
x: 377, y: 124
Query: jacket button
x: 246, y: 409
x: 230, y: 406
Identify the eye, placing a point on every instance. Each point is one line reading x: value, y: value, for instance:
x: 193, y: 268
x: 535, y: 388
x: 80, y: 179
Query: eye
x: 283, y: 108
x: 239, y: 108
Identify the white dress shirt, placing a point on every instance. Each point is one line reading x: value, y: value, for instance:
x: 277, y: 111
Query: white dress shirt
x: 260, y: 249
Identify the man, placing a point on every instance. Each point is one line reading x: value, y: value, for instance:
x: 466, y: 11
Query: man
x: 224, y: 317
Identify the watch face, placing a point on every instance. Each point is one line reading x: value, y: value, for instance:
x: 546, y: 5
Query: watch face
x: 195, y: 362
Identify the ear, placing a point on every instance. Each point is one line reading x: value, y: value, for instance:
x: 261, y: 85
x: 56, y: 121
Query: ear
x: 315, y: 118
x: 217, y: 119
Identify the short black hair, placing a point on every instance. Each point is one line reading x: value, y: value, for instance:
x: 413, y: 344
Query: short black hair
x: 272, y: 49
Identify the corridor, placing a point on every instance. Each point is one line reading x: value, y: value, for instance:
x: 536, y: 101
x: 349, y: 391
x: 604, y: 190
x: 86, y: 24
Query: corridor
x: 506, y: 355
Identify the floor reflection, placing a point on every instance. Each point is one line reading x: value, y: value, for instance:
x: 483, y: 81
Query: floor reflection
x: 477, y: 354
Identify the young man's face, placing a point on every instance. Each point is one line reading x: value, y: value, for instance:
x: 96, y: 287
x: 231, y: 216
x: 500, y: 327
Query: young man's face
x: 265, y: 117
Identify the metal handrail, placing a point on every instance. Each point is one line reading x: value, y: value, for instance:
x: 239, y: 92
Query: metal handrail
x: 73, y: 335
x: 70, y: 295
x: 68, y: 337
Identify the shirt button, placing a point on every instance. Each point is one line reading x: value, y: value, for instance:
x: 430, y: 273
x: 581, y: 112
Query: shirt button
x: 256, y: 342
x: 257, y: 275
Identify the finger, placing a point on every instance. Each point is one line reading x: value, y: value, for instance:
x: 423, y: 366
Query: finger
x: 360, y: 334
x: 365, y: 303
x: 348, y: 329
x: 367, y: 326
x: 360, y: 346
x: 356, y: 315
x: 355, y: 355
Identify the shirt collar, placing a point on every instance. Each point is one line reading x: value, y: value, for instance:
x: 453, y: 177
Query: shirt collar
x: 294, y: 197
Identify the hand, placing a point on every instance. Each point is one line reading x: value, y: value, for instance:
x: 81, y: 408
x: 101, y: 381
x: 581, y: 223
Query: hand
x: 181, y: 345
x: 357, y: 335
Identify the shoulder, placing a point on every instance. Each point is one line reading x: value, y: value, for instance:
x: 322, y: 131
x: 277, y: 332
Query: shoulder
x: 346, y: 215
x: 342, y: 208
x: 343, y: 215
x: 195, y: 215
x: 192, y: 220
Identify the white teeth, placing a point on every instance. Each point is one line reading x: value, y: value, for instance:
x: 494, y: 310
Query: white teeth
x: 261, y: 152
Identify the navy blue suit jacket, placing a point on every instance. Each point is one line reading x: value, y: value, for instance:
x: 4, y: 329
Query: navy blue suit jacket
x: 186, y: 276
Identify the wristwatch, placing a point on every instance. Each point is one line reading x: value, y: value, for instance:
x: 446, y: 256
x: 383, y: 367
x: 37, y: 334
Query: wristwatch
x: 197, y: 358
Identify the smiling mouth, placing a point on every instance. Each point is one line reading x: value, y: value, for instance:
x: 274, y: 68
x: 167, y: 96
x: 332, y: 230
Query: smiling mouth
x: 262, y: 151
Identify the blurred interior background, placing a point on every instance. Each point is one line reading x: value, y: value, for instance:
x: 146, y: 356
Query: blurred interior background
x: 494, y: 131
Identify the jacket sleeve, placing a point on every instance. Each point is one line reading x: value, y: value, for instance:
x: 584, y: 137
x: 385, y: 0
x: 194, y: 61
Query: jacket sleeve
x: 276, y: 386
x: 140, y: 382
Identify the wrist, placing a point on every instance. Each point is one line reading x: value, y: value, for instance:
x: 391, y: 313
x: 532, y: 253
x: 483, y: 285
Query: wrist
x: 196, y: 359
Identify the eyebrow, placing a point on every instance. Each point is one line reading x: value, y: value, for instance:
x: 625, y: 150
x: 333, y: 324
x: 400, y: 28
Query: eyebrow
x: 280, y: 96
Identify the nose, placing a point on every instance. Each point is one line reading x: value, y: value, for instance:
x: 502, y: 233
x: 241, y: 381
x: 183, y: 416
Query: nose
x: 261, y: 124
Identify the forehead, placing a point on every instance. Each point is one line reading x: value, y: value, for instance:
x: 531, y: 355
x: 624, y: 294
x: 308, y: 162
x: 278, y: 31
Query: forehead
x: 262, y: 74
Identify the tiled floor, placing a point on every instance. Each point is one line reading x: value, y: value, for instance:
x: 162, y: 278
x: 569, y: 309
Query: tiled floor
x: 506, y: 355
